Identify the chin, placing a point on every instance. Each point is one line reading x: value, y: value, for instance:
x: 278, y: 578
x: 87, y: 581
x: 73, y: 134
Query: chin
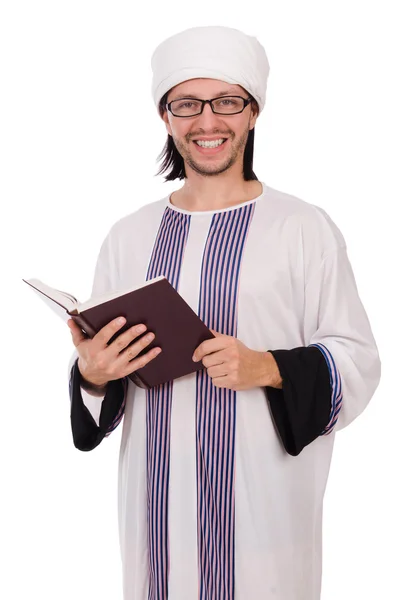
x: 210, y: 169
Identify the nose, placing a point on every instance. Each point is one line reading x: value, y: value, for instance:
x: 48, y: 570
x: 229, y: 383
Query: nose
x: 208, y: 117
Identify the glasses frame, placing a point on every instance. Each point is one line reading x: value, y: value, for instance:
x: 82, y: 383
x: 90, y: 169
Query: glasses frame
x: 204, y: 102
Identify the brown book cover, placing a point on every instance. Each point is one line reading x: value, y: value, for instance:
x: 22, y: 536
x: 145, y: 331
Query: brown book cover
x: 178, y: 329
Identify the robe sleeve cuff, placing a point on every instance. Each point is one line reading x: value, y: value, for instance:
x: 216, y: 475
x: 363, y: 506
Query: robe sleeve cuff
x: 301, y: 409
x: 87, y: 435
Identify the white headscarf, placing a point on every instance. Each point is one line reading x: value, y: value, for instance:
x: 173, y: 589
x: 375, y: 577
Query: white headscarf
x: 212, y: 52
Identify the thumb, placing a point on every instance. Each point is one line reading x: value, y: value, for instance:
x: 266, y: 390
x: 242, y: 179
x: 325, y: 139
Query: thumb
x: 77, y: 335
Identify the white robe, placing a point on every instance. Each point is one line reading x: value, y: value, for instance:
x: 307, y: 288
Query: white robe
x: 293, y: 287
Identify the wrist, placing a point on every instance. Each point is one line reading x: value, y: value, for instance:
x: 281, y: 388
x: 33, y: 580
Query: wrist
x: 93, y: 388
x: 270, y: 374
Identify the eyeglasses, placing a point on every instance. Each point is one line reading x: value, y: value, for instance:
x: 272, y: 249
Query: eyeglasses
x: 225, y: 105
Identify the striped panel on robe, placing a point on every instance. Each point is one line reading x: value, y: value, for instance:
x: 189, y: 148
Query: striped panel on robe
x: 166, y: 259
x: 215, y: 409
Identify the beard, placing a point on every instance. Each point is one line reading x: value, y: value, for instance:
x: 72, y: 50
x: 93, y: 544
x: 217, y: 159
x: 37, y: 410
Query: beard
x: 207, y: 168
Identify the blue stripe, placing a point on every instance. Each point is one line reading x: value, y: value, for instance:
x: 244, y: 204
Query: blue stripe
x: 336, y: 385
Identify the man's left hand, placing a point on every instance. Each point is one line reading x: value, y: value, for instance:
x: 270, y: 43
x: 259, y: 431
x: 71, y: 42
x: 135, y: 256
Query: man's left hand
x: 232, y: 365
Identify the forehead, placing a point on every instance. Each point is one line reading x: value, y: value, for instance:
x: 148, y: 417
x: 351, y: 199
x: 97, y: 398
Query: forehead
x: 204, y: 88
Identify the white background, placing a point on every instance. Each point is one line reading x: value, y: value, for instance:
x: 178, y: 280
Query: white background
x: 79, y: 141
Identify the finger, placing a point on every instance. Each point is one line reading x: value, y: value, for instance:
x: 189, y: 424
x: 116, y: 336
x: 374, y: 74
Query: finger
x: 143, y: 360
x: 124, y: 339
x: 77, y: 335
x: 107, y: 332
x: 215, y: 358
x: 134, y: 349
x: 219, y: 370
x: 207, y: 347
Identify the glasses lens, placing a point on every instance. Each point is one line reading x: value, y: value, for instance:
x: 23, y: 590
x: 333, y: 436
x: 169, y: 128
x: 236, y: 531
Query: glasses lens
x: 187, y: 107
x: 228, y: 105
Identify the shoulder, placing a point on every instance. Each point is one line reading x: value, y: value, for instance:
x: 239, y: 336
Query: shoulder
x: 311, y: 222
x: 138, y: 223
x: 128, y: 232
x: 141, y: 217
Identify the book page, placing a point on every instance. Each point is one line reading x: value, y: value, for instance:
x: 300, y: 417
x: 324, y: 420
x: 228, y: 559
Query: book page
x: 55, y: 299
x: 54, y: 306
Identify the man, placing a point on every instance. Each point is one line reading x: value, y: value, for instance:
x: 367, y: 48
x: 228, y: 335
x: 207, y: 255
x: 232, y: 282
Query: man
x: 223, y: 472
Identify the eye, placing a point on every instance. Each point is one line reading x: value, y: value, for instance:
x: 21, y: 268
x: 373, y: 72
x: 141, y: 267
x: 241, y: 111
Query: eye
x: 227, y: 102
x: 187, y: 104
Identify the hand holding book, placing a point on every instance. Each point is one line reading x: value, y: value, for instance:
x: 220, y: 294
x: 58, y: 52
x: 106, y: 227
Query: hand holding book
x: 100, y: 361
x: 157, y: 305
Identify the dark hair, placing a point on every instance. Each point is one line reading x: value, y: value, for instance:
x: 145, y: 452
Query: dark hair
x: 174, y: 162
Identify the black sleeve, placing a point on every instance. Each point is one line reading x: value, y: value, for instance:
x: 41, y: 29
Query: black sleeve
x: 86, y: 433
x: 301, y: 409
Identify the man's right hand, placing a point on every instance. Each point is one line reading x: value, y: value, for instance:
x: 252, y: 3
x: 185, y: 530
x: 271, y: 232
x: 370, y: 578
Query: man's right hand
x: 100, y: 363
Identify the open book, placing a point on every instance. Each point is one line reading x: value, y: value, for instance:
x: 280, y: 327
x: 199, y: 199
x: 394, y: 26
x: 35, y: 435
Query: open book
x: 178, y: 329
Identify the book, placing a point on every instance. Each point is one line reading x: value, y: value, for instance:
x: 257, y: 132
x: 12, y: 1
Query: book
x: 156, y: 303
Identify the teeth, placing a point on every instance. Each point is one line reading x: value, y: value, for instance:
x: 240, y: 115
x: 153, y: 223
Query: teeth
x: 213, y: 144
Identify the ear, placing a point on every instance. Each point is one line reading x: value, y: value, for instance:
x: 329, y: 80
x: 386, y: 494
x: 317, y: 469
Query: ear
x: 254, y: 114
x: 253, y: 119
x: 165, y: 117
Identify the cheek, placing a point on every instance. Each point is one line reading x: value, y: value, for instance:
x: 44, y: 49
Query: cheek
x: 179, y: 131
x: 177, y: 126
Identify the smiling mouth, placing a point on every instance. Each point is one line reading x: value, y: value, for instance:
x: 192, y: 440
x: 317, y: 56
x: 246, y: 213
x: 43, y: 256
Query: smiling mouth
x: 209, y: 145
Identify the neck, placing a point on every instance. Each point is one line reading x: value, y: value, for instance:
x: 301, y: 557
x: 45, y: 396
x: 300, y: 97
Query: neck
x: 201, y: 193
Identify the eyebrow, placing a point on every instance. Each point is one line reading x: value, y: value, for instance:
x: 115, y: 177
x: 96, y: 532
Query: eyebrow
x: 228, y: 92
